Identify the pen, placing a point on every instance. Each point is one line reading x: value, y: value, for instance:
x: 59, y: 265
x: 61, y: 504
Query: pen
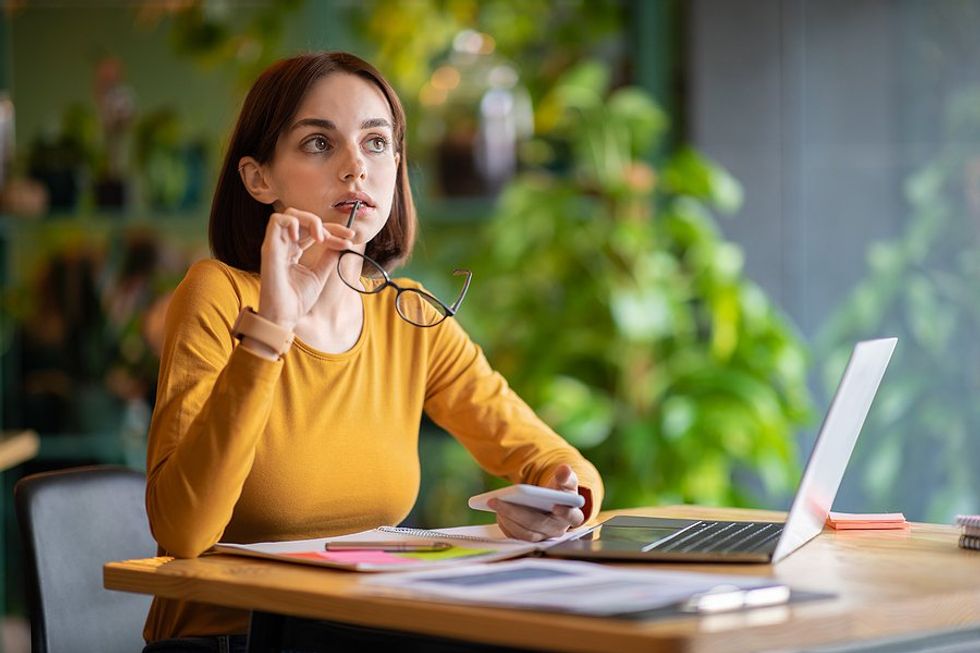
x: 353, y: 212
x: 731, y: 597
x: 415, y: 547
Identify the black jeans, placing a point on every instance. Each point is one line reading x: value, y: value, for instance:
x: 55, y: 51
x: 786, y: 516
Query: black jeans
x: 215, y: 644
x: 296, y: 635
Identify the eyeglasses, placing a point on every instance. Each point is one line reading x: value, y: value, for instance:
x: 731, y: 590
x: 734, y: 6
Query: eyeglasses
x: 415, y: 306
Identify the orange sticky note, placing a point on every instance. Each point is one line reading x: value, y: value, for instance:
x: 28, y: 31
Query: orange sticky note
x: 866, y: 521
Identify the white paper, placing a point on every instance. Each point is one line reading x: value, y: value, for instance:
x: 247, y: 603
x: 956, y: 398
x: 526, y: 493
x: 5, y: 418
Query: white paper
x: 487, y: 533
x: 576, y: 587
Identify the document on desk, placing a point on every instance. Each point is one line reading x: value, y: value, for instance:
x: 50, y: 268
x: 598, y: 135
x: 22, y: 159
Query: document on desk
x: 581, y: 588
x: 391, y: 548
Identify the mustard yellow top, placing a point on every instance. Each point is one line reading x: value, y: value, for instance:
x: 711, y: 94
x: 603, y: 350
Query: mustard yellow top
x: 243, y: 449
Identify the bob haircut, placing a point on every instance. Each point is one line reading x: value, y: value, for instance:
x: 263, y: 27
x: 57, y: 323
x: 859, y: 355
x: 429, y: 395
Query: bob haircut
x: 238, y: 221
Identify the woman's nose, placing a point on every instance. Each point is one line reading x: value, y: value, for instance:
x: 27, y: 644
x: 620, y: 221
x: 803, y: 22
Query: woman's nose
x: 352, y: 167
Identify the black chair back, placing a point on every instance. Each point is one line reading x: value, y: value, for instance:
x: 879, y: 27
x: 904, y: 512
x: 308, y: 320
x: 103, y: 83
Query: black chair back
x: 72, y: 522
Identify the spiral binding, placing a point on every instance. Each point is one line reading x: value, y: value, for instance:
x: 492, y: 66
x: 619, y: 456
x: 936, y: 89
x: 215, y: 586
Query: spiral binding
x: 421, y: 532
x: 969, y: 542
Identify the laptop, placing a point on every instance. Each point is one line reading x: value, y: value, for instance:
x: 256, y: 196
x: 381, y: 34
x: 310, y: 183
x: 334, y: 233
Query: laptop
x: 653, y: 538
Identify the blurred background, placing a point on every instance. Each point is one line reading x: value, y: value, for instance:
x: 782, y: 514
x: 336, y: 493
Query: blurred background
x: 680, y: 216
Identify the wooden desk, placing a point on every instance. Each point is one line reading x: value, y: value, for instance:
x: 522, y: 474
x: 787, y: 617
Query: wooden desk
x: 16, y: 447
x: 888, y: 584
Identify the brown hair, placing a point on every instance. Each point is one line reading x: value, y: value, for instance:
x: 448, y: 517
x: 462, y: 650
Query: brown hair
x: 238, y: 220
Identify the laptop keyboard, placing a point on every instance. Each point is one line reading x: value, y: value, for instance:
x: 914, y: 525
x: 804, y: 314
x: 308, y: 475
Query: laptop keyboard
x: 724, y: 537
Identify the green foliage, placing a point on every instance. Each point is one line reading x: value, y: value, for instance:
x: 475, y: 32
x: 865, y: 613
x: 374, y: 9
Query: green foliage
x: 214, y: 33
x: 543, y: 37
x: 923, y: 287
x: 602, y: 291
x: 609, y: 300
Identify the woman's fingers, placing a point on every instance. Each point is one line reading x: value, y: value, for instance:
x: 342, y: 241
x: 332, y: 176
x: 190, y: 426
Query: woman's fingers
x: 308, y: 222
x: 282, y: 228
x: 338, y: 230
x: 531, y: 524
x: 516, y: 531
x: 574, y: 517
x: 305, y: 229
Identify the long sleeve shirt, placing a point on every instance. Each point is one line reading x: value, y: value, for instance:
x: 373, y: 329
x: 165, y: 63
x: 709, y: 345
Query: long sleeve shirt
x: 244, y: 449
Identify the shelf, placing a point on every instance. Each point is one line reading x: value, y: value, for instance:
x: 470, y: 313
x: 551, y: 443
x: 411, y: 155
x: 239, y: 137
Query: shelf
x: 107, y: 448
x: 455, y: 210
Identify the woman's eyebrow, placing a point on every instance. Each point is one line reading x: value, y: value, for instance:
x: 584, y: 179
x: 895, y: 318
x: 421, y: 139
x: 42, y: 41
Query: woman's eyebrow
x: 330, y: 126
x: 375, y: 122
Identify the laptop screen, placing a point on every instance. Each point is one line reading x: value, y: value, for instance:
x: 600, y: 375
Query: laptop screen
x: 821, y: 479
x: 835, y: 442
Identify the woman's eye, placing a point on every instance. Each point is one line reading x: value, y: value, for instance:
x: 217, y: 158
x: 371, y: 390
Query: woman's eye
x: 377, y: 144
x: 316, y: 144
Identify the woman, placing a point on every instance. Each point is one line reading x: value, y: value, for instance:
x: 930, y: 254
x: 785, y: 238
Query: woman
x: 309, y: 426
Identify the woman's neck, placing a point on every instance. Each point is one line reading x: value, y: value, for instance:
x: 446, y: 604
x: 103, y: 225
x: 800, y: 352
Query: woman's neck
x: 335, y: 320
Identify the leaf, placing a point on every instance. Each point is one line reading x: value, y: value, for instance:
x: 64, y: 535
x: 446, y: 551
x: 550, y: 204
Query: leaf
x: 707, y: 481
x: 689, y: 173
x: 641, y: 315
x: 583, y: 415
x: 582, y: 87
x: 679, y: 415
x: 645, y: 120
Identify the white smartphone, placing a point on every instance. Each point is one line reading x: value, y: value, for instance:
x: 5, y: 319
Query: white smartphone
x: 533, y: 496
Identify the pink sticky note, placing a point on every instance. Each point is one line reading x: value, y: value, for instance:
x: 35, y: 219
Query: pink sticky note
x: 855, y: 516
x: 856, y: 521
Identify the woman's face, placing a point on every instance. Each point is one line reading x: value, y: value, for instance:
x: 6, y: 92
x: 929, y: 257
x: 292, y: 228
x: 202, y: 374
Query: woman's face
x: 339, y: 147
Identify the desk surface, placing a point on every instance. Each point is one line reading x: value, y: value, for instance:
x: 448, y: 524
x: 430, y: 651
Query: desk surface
x: 888, y: 583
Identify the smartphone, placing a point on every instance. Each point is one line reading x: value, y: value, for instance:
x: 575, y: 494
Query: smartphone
x: 532, y: 496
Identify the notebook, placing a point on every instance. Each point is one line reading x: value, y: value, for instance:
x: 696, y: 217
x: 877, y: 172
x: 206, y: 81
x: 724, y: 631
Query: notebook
x: 969, y: 531
x: 649, y: 538
x: 469, y: 544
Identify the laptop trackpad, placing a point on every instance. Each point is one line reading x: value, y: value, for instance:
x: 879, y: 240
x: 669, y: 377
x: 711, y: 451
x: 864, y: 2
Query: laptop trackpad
x: 630, y: 533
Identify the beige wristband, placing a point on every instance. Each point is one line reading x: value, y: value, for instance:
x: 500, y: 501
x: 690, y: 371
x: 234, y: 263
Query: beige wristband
x: 270, y: 334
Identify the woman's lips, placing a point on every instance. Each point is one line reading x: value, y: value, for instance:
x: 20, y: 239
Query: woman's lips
x: 345, y: 208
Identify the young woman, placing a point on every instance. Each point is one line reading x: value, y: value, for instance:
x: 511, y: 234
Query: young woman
x: 293, y: 378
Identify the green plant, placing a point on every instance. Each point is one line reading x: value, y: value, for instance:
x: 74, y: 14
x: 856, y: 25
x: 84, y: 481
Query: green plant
x: 610, y: 301
x: 603, y: 290
x: 539, y: 39
x: 922, y: 287
x: 217, y: 33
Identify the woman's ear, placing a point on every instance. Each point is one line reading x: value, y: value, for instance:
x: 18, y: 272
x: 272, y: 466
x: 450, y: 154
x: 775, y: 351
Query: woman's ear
x: 254, y: 177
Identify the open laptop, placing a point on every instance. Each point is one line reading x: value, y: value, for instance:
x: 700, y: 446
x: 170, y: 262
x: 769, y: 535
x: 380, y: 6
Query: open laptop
x: 652, y: 538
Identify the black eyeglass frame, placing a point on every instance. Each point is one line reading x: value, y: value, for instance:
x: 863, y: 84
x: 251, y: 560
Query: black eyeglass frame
x: 450, y: 310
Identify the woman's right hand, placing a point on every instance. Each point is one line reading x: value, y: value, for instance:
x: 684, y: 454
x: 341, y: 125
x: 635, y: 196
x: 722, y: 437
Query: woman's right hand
x: 290, y: 287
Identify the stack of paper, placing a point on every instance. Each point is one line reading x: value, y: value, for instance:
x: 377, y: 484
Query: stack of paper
x: 969, y: 531
x: 581, y: 588
x: 866, y: 521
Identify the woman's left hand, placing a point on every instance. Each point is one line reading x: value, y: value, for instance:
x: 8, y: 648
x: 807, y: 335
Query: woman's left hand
x: 523, y: 523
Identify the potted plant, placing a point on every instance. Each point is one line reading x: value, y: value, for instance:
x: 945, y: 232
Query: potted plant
x: 608, y: 298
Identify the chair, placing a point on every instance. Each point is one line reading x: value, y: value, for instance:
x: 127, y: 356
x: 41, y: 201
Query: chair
x: 72, y: 522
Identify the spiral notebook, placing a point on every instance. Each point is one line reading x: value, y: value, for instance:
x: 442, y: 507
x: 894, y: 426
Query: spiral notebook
x: 969, y: 531
x: 468, y: 545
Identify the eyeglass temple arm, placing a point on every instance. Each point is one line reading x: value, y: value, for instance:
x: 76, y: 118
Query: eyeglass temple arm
x: 462, y: 293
